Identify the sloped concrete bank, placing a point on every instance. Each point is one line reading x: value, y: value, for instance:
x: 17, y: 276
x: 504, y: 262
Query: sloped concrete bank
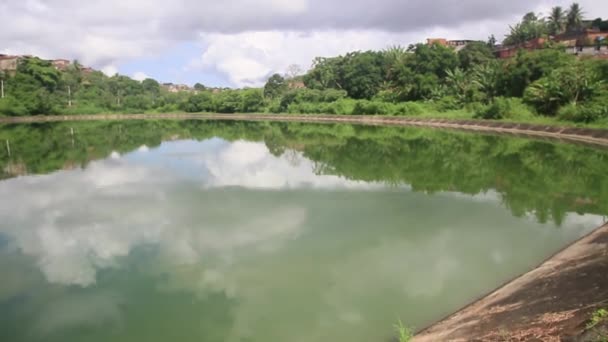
x: 591, y: 136
x: 550, y: 303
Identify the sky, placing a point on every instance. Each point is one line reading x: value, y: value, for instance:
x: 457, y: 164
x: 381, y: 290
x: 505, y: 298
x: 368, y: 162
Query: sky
x: 240, y: 43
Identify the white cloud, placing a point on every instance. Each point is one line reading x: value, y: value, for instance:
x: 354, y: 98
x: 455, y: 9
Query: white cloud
x: 250, y: 165
x: 110, y: 70
x: 247, y: 39
x: 140, y: 76
x: 249, y: 58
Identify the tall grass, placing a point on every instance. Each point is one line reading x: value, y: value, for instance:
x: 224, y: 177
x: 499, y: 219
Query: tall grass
x: 404, y: 334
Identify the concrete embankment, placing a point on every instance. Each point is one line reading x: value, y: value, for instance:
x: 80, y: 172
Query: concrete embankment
x: 550, y: 303
x: 592, y: 136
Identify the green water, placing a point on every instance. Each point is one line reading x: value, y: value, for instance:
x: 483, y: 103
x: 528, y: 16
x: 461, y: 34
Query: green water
x: 233, y: 231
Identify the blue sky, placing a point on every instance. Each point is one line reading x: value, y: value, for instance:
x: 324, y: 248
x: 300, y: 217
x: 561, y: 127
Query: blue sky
x: 173, y: 66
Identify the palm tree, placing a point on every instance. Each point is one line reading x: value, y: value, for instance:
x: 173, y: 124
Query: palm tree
x: 574, y: 19
x: 557, y: 20
x: 485, y: 79
x: 458, y: 83
x: 395, y: 57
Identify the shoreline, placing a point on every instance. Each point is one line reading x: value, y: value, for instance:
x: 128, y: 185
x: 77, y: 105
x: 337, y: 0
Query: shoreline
x: 590, y: 136
x: 487, y: 317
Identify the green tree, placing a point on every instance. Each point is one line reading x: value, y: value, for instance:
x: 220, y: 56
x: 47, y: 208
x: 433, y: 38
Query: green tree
x: 486, y: 78
x: 528, y: 66
x: 228, y: 101
x: 199, y: 87
x: 530, y: 27
x: 41, y: 70
x: 473, y: 54
x: 556, y: 20
x: 201, y: 102
x: 253, y: 101
x: 71, y: 81
x: 491, y: 41
x: 363, y: 74
x: 151, y: 86
x: 32, y: 88
x: 275, y: 86
x: 571, y: 84
x: 459, y: 85
x: 325, y: 73
x: 574, y: 18
x: 420, y: 76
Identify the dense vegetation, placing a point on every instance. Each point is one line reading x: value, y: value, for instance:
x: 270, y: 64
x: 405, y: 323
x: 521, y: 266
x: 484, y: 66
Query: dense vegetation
x: 531, y: 177
x: 420, y: 80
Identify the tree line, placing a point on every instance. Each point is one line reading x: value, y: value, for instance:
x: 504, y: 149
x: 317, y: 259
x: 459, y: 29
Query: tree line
x: 421, y: 79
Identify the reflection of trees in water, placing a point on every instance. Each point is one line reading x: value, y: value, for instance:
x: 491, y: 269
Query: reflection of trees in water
x: 531, y: 176
x: 293, y: 158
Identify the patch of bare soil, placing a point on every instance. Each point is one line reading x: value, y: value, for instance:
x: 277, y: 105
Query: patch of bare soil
x: 550, y: 303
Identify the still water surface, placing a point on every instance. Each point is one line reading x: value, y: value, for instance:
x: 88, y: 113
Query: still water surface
x: 195, y: 231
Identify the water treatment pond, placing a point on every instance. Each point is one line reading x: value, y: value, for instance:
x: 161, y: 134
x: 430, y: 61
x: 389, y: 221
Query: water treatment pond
x: 272, y: 232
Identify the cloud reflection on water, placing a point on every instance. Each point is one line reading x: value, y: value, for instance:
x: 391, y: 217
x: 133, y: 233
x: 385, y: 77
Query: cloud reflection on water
x: 75, y: 222
x: 218, y: 224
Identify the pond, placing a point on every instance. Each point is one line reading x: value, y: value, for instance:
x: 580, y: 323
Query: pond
x: 255, y: 231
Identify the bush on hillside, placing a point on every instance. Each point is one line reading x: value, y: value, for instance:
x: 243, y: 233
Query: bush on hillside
x: 408, y: 108
x: 503, y: 108
x: 447, y: 103
x: 594, y: 110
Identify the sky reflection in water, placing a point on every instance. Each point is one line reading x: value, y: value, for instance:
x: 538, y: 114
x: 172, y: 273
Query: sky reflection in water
x: 224, y: 241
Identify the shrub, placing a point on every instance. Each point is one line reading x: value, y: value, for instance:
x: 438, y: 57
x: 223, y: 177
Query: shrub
x: 274, y: 107
x: 386, y: 96
x: 585, y: 112
x: 408, y: 108
x: 503, y: 108
x: 342, y: 106
x: 365, y: 107
x: 11, y: 107
x: 228, y: 101
x: 201, y: 102
x: 253, y: 100
x: 83, y: 109
x: 447, y: 103
x: 331, y: 95
x: 597, y: 317
x: 574, y: 83
x: 304, y: 108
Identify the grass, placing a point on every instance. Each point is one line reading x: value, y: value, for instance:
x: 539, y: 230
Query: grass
x: 404, y: 334
x: 458, y: 114
x: 598, y: 316
x: 597, y: 325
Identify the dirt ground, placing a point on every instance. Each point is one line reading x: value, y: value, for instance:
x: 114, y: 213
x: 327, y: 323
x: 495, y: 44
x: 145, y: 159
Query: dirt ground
x: 550, y: 303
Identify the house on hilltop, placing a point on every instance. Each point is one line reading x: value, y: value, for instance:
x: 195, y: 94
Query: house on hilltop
x: 9, y: 63
x: 504, y: 52
x: 176, y: 88
x: 456, y: 44
x: 590, y: 40
x: 60, y: 64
